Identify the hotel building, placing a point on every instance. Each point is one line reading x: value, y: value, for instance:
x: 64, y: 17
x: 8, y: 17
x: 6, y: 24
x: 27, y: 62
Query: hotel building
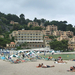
x: 34, y: 38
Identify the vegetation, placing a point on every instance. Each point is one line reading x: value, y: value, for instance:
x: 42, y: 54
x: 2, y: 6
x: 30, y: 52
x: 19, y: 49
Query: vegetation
x: 52, y: 37
x: 6, y: 28
x: 24, y: 44
x: 3, y: 42
x: 59, y: 45
x: 5, y: 20
x: 64, y: 56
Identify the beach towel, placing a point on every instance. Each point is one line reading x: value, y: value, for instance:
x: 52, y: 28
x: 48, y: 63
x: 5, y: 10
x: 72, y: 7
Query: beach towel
x: 3, y: 58
x: 38, y: 66
x: 59, y: 63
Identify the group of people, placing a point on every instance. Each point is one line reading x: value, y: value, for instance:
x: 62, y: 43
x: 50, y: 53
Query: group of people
x: 60, y: 60
x: 50, y: 57
x: 72, y: 69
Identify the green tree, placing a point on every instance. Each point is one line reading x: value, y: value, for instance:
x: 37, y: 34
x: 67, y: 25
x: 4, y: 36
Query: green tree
x: 59, y: 45
x: 52, y: 37
x: 0, y: 30
x: 69, y: 27
x: 24, y: 44
x: 4, y: 20
x: 4, y: 42
x: 74, y: 30
x: 47, y: 23
x: 17, y: 27
x: 22, y: 19
x: 35, y: 19
x: 43, y: 20
x: 36, y: 28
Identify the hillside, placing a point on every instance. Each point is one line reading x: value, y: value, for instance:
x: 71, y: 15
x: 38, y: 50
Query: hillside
x: 5, y: 25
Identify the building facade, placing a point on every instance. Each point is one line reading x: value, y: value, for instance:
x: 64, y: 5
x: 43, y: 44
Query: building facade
x: 13, y: 34
x: 68, y: 33
x: 1, y: 36
x: 34, y: 38
x: 58, y: 33
x: 33, y: 24
x: 11, y: 45
x: 63, y: 37
x: 45, y: 32
x: 71, y: 43
x: 47, y: 41
x: 51, y: 28
x: 12, y: 22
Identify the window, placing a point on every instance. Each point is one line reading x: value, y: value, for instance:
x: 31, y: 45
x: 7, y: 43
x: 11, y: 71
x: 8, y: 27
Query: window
x: 34, y: 37
x: 28, y: 37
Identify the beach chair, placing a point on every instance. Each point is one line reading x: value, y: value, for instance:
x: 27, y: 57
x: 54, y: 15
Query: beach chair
x: 33, y: 59
x: 26, y: 59
x: 46, y: 58
x: 0, y: 57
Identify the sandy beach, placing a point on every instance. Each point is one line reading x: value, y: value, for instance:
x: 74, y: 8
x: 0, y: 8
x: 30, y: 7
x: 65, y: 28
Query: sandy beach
x: 29, y: 68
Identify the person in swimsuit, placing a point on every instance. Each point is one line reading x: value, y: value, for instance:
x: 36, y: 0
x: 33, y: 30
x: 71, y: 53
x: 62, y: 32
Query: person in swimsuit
x: 46, y: 66
x: 72, y: 69
x: 39, y: 66
x: 61, y: 61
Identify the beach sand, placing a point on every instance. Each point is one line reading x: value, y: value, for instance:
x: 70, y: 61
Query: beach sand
x: 29, y: 68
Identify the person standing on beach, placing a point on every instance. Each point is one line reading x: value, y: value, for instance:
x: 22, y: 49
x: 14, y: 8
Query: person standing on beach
x: 23, y: 55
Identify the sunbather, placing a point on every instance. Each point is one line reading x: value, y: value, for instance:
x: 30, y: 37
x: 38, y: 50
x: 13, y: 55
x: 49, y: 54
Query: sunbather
x: 45, y: 66
x: 73, y: 59
x: 72, y: 69
x: 40, y: 65
x: 60, y: 61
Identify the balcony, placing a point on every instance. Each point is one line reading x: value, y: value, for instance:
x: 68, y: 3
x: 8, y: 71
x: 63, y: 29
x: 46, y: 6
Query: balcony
x: 29, y: 40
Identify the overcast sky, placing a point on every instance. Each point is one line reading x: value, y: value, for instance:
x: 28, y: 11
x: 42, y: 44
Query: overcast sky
x: 58, y: 10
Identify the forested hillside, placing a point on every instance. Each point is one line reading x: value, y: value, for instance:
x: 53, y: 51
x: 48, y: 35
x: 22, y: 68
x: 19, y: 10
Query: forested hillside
x: 5, y: 25
x: 6, y: 28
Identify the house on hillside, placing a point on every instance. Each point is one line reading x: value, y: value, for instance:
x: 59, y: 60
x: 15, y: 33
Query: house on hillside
x: 11, y: 45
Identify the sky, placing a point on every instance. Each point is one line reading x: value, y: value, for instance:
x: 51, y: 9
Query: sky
x: 59, y: 10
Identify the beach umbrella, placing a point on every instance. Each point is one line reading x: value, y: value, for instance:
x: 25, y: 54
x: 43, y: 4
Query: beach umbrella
x: 14, y: 56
